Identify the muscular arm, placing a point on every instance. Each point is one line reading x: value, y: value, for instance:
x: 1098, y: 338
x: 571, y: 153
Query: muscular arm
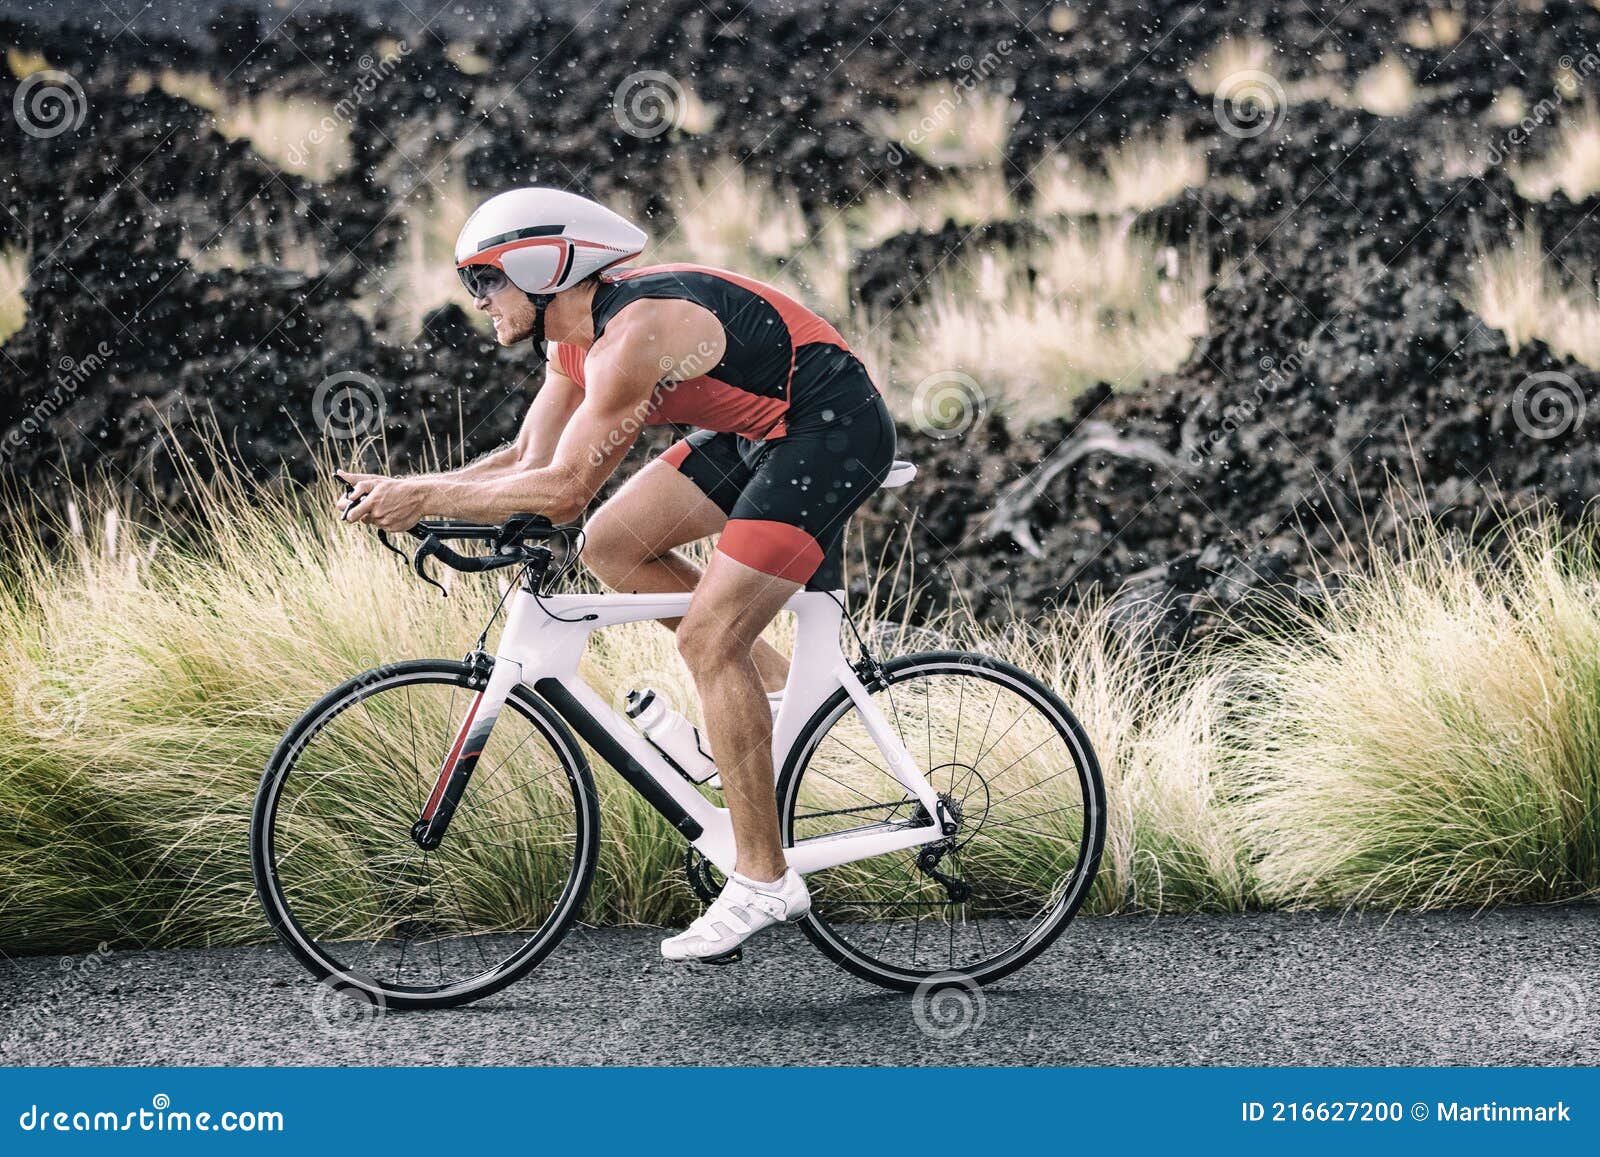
x: 536, y: 441
x: 560, y: 466
x: 593, y: 443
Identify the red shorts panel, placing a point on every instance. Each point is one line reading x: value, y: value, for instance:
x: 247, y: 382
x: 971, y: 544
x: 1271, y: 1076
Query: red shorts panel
x: 774, y: 548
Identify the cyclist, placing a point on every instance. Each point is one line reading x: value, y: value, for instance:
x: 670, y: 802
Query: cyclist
x: 792, y: 437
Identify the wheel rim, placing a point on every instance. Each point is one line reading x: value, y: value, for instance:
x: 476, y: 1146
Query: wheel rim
x: 369, y: 906
x: 1018, y: 775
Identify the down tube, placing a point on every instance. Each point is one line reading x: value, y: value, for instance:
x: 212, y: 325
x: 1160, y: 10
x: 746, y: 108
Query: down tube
x: 585, y: 712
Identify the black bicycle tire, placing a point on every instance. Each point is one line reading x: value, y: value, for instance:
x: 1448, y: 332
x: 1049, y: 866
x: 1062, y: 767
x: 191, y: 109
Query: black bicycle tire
x: 1091, y: 847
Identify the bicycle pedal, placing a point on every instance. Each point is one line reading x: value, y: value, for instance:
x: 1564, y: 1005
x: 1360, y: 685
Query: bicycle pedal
x: 726, y: 958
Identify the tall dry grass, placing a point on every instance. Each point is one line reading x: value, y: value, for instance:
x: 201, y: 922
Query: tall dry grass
x: 1572, y: 163
x: 150, y: 674
x: 1434, y: 738
x: 1093, y: 302
x: 1431, y: 737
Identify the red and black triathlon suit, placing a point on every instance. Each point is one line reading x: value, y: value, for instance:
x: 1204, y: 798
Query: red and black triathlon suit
x: 793, y: 434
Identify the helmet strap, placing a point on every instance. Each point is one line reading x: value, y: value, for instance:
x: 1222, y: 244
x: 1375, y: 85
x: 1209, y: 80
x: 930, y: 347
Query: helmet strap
x: 541, y: 302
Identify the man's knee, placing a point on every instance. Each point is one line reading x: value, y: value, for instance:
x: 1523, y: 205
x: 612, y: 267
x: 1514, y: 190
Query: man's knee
x: 610, y: 549
x: 708, y: 646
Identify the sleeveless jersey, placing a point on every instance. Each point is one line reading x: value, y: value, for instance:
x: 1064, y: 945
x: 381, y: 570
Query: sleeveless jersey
x: 782, y: 363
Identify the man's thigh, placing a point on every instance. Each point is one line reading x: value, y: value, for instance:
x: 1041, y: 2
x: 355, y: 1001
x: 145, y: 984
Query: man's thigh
x: 657, y: 509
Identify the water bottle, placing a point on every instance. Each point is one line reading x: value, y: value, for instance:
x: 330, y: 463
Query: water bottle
x: 672, y: 735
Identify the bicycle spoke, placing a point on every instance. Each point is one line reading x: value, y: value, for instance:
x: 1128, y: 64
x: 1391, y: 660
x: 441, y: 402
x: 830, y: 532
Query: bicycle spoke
x: 360, y: 890
x: 991, y: 884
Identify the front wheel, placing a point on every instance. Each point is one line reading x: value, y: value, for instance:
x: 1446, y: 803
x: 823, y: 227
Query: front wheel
x: 1016, y: 770
x: 359, y: 901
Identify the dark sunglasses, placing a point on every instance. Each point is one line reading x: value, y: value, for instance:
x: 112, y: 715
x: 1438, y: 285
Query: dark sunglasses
x: 482, y: 280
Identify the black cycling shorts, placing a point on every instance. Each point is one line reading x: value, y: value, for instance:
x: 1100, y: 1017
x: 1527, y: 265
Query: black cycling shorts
x: 787, y: 499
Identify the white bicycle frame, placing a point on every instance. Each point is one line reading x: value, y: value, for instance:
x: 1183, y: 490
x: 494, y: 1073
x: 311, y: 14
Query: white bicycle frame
x: 543, y: 641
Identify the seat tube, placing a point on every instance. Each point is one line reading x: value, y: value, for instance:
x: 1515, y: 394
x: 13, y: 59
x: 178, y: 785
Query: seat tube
x: 812, y: 672
x: 471, y: 738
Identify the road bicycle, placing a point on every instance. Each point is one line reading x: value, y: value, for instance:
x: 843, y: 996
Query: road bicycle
x: 427, y: 832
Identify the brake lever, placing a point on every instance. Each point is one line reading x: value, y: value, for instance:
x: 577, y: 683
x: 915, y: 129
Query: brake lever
x: 429, y: 547
x: 391, y: 547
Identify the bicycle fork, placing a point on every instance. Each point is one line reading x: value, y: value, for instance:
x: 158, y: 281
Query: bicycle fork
x: 456, y: 770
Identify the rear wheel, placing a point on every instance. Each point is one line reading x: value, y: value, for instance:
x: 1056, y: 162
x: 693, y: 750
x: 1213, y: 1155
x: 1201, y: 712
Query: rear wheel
x: 359, y: 902
x: 1016, y: 770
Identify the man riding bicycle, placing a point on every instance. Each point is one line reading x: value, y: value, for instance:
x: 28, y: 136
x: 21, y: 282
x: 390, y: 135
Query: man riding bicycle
x: 792, y: 437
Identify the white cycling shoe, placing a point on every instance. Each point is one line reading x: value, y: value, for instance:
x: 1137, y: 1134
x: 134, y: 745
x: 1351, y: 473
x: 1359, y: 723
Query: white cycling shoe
x: 743, y: 909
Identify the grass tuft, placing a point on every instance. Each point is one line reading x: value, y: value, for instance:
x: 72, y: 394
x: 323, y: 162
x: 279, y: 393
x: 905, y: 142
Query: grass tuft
x: 1387, y: 88
x: 13, y: 292
x: 1143, y: 173
x: 1035, y: 326
x: 951, y: 127
x: 1572, y: 165
x: 1515, y: 290
x: 1434, y: 738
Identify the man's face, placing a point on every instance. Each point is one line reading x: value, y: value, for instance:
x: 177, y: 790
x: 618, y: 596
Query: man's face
x: 511, y: 312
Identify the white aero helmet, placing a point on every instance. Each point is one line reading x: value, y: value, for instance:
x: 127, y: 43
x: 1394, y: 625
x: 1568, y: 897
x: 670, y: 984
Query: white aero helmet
x: 542, y: 240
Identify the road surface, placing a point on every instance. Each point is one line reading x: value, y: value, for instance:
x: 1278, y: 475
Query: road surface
x: 1513, y: 987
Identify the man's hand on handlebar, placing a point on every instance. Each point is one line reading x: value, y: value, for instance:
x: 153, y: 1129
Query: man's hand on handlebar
x: 387, y: 503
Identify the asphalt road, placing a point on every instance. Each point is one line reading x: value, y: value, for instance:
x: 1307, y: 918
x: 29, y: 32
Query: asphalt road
x: 1504, y: 988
